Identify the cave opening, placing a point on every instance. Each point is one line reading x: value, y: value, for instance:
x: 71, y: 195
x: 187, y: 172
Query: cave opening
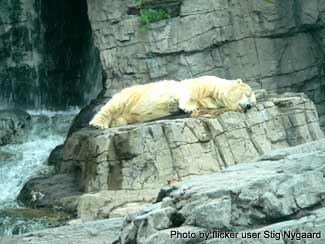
x: 48, y: 58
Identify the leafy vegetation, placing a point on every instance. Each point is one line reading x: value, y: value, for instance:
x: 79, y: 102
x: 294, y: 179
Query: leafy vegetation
x: 150, y: 15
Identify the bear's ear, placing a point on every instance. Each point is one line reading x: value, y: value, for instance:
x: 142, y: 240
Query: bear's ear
x: 239, y: 81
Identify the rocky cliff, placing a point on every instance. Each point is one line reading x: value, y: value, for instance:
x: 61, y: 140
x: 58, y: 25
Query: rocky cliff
x: 274, y: 45
x: 283, y: 190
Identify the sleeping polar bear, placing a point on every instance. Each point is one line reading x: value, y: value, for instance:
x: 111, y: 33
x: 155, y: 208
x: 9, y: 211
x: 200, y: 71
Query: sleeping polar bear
x: 204, y: 95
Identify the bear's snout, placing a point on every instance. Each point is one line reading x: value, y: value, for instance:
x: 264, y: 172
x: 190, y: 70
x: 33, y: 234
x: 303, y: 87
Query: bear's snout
x: 245, y: 105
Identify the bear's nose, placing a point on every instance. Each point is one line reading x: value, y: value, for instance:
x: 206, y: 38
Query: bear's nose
x: 245, y: 105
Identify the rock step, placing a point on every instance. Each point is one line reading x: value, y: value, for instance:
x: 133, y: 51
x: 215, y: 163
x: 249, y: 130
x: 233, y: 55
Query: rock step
x: 146, y: 155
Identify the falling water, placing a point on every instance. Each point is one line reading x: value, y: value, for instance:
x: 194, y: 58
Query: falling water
x: 28, y: 159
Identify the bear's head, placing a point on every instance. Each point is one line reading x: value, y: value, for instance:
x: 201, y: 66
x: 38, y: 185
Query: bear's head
x: 241, y: 96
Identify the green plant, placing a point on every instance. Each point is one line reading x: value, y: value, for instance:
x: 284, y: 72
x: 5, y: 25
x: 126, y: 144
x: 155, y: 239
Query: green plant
x: 150, y: 15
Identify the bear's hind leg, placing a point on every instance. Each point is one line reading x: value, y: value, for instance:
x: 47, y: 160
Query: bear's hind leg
x: 119, y: 121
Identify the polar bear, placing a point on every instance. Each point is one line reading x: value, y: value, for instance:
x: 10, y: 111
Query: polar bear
x: 206, y: 95
x: 139, y: 103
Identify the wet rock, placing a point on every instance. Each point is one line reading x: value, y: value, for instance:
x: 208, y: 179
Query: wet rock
x: 14, y: 126
x: 22, y: 220
x: 4, y: 155
x: 47, y: 192
x: 56, y: 156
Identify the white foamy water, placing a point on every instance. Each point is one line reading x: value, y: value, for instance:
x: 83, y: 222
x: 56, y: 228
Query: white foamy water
x: 26, y: 160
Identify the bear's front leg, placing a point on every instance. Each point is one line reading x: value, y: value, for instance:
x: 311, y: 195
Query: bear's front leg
x: 187, y: 101
x: 173, y: 106
x: 188, y: 105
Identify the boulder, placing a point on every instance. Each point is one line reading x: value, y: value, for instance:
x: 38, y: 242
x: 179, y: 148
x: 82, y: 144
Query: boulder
x: 56, y: 156
x: 57, y: 191
x: 14, y: 126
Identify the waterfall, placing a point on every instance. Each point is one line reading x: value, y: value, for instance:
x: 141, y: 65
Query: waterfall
x: 29, y: 158
x: 20, y: 162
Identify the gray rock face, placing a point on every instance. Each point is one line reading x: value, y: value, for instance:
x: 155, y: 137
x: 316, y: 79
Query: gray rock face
x: 274, y: 45
x: 56, y: 156
x: 271, y: 194
x: 146, y: 155
x: 113, y: 203
x: 283, y: 190
x: 14, y: 126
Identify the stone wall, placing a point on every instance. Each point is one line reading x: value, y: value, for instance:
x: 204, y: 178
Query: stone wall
x: 275, y: 45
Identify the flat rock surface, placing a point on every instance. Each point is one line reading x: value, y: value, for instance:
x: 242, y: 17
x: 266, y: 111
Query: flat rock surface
x: 99, y: 232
